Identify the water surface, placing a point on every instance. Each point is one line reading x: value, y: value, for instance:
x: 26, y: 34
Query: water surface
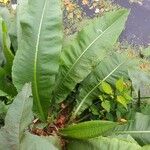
x: 138, y: 25
x: 137, y: 31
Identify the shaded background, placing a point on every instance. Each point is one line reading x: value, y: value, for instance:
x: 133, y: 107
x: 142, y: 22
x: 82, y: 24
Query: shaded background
x: 137, y: 30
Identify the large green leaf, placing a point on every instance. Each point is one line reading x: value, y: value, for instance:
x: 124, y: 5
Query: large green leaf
x: 18, y: 117
x: 103, y: 143
x: 6, y: 47
x: 33, y: 142
x: 139, y: 128
x: 87, y: 129
x: 111, y: 68
x: 37, y: 58
x: 91, y: 44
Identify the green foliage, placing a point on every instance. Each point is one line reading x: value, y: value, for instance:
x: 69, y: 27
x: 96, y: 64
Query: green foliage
x: 139, y: 78
x: 6, y: 47
x: 33, y: 142
x: 107, y: 88
x: 89, y: 47
x: 87, y: 130
x: 122, y: 100
x: 103, y: 143
x: 67, y: 77
x: 18, y: 117
x: 147, y: 147
x: 113, y: 106
x: 121, y: 93
x: 2, y: 93
x: 109, y: 70
x: 3, y: 111
x: 14, y: 135
x: 6, y: 63
x: 106, y: 105
x: 40, y: 66
x: 138, y: 128
x: 120, y: 85
x: 39, y: 47
x: 120, y: 97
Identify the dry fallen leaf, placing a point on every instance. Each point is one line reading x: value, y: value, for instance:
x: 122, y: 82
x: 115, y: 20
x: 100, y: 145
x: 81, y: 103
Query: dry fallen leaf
x: 4, y: 1
x: 85, y: 2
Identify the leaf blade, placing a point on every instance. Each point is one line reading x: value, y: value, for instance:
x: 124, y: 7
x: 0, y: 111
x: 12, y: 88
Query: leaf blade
x: 89, y: 47
x: 40, y: 65
x: 6, y: 47
x: 109, y: 70
x: 33, y: 142
x: 15, y: 124
x: 104, y: 143
x: 87, y: 129
x: 138, y: 128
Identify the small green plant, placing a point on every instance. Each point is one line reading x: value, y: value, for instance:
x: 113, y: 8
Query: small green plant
x: 121, y: 93
x: 114, y: 98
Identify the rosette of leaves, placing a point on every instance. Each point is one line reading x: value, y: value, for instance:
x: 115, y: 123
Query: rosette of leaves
x: 55, y: 66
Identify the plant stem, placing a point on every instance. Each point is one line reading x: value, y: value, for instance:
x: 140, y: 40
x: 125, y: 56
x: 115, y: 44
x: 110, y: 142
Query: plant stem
x: 139, y: 101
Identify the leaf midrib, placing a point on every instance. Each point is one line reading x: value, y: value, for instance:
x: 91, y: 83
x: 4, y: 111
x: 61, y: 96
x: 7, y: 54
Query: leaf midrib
x: 83, y: 100
x: 132, y: 132
x: 35, y: 63
x: 88, y: 48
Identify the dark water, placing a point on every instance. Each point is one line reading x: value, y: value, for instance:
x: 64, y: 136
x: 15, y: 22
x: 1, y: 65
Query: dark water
x: 138, y: 25
x: 137, y: 29
x: 13, y: 1
x: 89, y: 12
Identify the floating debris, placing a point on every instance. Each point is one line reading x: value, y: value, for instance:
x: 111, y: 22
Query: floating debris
x: 140, y: 2
x: 75, y: 12
x: 4, y: 2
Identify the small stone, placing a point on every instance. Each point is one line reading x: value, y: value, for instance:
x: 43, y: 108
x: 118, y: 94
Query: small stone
x: 140, y: 3
x: 14, y: 6
x: 97, y: 10
x: 102, y: 9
